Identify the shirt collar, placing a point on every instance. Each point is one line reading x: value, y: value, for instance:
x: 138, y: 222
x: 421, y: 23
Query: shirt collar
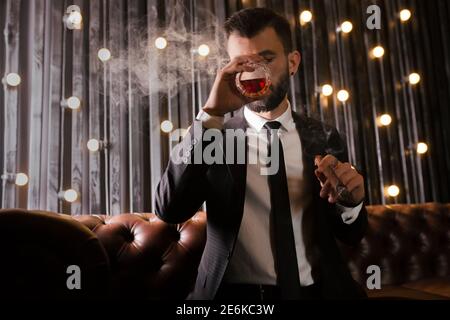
x: 257, y: 122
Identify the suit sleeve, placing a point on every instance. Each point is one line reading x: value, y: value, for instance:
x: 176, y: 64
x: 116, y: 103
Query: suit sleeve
x: 350, y: 234
x: 183, y: 186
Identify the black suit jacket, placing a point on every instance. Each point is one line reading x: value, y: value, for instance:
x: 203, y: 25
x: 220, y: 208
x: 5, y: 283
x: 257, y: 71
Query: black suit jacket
x: 184, y: 187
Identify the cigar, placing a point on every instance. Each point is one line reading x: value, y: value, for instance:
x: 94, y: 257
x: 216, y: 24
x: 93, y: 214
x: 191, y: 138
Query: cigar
x: 343, y: 195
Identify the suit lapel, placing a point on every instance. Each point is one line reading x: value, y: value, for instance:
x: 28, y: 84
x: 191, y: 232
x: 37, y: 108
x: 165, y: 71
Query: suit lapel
x: 309, y: 145
x: 237, y: 171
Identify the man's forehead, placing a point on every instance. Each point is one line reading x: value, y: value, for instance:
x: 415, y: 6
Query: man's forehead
x: 264, y: 43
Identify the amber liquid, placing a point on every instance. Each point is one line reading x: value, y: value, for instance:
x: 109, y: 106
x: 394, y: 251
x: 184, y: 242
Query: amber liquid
x: 253, y: 85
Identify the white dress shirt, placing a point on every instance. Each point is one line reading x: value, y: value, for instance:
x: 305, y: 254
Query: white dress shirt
x: 253, y: 259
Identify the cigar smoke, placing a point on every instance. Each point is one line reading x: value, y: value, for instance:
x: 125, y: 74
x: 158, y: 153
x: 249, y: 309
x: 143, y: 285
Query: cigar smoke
x: 150, y: 70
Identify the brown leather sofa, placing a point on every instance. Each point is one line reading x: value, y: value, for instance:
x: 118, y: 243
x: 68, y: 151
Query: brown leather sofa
x: 139, y: 256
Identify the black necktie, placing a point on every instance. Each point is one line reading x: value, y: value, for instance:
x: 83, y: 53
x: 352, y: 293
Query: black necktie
x: 281, y: 222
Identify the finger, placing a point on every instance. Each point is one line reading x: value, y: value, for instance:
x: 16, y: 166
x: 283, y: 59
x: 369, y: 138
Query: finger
x: 333, y: 196
x: 342, y: 168
x: 317, y: 160
x: 326, y: 190
x: 320, y: 176
x: 346, y: 176
x: 355, y: 183
x: 232, y: 70
x: 328, y: 161
x: 329, y: 174
x: 247, y: 59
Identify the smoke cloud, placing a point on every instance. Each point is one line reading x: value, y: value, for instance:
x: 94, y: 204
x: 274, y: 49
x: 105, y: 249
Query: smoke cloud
x: 151, y: 70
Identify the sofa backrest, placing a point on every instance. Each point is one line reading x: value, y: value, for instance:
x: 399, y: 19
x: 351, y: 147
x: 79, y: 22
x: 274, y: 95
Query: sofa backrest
x: 148, y: 257
x: 153, y: 259
x: 408, y: 242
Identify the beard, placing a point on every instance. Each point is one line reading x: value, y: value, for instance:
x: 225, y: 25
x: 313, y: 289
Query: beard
x: 273, y: 100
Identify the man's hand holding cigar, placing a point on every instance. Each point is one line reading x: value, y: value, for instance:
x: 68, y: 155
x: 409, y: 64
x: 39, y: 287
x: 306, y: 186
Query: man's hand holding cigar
x: 340, y: 182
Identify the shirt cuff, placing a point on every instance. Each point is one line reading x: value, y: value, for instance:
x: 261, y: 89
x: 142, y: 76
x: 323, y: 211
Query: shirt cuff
x: 209, y: 121
x: 349, y: 215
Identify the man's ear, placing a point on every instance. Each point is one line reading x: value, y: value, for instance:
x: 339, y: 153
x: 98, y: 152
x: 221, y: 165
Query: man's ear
x: 294, y: 59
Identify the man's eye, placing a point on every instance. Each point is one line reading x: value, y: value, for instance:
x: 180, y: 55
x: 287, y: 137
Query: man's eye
x: 268, y: 60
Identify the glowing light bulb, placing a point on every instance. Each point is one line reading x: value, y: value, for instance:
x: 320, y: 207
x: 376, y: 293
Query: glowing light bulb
x: 73, y: 103
x: 414, y: 78
x: 343, y: 95
x: 70, y: 195
x: 21, y: 179
x: 160, y: 43
x: 327, y: 90
x: 377, y: 52
x: 166, y: 126
x: 422, y: 148
x: 93, y: 145
x: 346, y: 27
x: 13, y: 79
x: 405, y: 15
x: 203, y: 50
x: 305, y: 17
x: 104, y: 54
x: 393, y: 191
x: 384, y: 120
x: 73, y: 18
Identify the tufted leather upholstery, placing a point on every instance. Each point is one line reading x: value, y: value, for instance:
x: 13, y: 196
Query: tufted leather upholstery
x: 411, y: 245
x: 151, y: 259
x: 148, y: 257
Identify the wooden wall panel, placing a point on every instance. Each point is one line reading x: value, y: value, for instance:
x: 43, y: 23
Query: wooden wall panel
x: 48, y: 143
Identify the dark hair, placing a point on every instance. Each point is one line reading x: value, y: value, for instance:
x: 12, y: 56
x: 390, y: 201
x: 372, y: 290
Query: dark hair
x: 249, y: 22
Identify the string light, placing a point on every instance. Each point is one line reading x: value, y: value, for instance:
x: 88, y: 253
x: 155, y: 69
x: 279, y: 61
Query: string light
x: 69, y: 195
x: 19, y: 179
x: 392, y: 191
x: 384, y: 120
x: 405, y: 15
x: 203, y: 50
x: 305, y: 17
x: 73, y: 18
x: 96, y: 145
x: 327, y: 90
x: 104, y: 54
x: 71, y: 103
x: 343, y: 95
x: 12, y: 79
x: 422, y: 148
x: 377, y: 52
x: 160, y: 43
x: 414, y: 78
x: 346, y: 27
x: 166, y: 126
x: 93, y: 145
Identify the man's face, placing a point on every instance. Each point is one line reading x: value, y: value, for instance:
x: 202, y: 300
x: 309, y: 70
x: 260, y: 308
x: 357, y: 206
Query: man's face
x: 268, y: 45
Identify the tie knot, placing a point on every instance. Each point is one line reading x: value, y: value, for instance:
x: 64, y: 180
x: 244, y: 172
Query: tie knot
x: 272, y: 125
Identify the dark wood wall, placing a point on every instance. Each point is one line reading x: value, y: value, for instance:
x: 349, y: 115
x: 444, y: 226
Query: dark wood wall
x: 48, y: 143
